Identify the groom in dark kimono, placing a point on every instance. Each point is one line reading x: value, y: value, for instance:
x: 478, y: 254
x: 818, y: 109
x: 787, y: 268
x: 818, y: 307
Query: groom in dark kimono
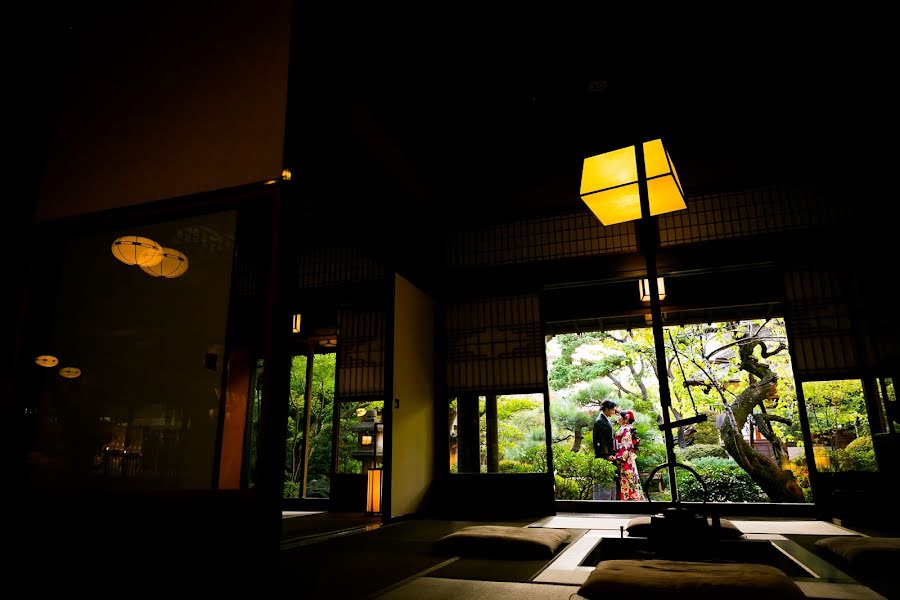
x: 604, y: 445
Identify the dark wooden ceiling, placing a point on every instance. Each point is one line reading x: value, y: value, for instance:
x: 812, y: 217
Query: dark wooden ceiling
x: 478, y: 128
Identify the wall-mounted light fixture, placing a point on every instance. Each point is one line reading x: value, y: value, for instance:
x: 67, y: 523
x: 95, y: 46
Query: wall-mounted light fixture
x: 46, y: 360
x: 295, y: 323
x: 137, y: 251
x: 373, y: 491
x: 609, y: 183
x: 172, y: 264
x: 644, y: 287
x: 70, y: 372
x: 329, y: 343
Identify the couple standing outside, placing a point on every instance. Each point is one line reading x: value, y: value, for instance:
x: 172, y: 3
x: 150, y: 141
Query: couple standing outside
x: 620, y: 449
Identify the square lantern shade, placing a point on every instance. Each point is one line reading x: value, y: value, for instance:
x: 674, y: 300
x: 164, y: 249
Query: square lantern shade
x: 609, y: 184
x: 373, y: 491
x: 644, y: 286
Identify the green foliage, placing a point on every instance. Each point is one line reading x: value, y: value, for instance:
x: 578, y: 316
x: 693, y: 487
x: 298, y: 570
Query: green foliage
x: 567, y: 490
x: 706, y: 432
x: 514, y: 466
x: 801, y: 475
x: 725, y: 481
x: 520, y: 425
x: 696, y: 451
x: 319, y: 487
x: 578, y: 471
x: 291, y: 489
x: 833, y: 405
x: 861, y: 454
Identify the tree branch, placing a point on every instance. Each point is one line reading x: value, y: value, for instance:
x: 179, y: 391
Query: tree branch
x: 768, y: 417
x: 620, y: 386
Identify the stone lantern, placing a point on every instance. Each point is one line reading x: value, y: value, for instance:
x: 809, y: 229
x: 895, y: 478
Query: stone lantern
x: 369, y: 440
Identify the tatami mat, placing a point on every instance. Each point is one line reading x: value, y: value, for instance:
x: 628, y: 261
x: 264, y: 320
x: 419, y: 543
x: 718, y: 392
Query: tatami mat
x: 838, y: 591
x: 792, y: 527
x: 780, y: 527
x: 435, y: 588
x: 288, y: 514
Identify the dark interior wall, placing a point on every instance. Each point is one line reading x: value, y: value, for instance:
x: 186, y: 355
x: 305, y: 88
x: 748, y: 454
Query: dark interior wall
x: 162, y: 100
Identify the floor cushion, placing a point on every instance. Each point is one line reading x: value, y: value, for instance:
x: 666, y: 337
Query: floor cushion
x: 866, y: 553
x: 502, y: 541
x: 685, y: 579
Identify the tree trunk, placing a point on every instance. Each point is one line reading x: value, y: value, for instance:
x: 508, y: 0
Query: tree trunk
x: 576, y: 445
x: 778, y: 483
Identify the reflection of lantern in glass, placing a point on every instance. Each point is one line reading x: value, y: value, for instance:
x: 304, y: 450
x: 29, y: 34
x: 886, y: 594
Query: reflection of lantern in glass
x: 70, y: 372
x: 136, y: 250
x: 46, y: 360
x: 172, y: 264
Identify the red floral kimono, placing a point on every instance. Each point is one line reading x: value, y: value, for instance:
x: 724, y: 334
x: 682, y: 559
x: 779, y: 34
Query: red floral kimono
x: 630, y: 479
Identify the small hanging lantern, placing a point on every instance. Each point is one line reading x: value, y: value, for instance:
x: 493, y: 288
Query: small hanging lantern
x: 70, y: 372
x: 138, y: 251
x: 172, y: 264
x: 46, y: 360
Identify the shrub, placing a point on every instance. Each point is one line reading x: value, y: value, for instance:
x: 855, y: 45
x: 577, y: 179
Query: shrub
x: 697, y: 451
x: 801, y: 475
x: 514, y: 466
x: 580, y: 471
x: 706, y: 432
x: 566, y: 490
x: 725, y: 481
x: 861, y: 454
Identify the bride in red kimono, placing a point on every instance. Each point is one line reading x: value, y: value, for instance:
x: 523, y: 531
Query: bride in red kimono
x: 627, y: 442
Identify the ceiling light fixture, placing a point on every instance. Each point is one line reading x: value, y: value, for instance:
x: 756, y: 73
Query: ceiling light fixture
x: 46, y: 360
x: 609, y: 183
x: 70, y: 372
x: 172, y: 264
x: 137, y: 251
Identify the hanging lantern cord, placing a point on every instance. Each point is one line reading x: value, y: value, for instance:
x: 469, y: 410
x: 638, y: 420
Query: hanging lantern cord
x: 678, y: 358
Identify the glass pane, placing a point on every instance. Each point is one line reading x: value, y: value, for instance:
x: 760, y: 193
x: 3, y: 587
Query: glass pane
x: 256, y: 387
x: 509, y: 438
x: 737, y: 373
x: 318, y: 458
x: 135, y: 398
x: 361, y: 436
x: 888, y: 397
x: 294, y: 468
x: 839, y: 425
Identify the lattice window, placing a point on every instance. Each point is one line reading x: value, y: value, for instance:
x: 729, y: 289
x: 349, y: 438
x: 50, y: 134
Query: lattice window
x: 360, y: 356
x: 495, y: 345
x: 534, y: 240
x: 819, y: 322
x: 336, y: 265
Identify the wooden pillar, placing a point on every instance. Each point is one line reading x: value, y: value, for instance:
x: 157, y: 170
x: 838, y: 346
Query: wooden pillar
x: 469, y: 456
x: 491, y: 434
